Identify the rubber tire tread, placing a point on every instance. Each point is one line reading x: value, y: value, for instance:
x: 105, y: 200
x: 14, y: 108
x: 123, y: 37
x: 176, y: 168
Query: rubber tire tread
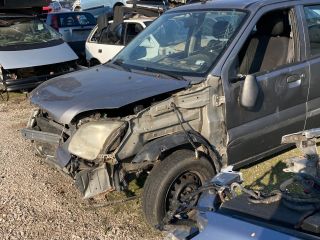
x: 161, y: 177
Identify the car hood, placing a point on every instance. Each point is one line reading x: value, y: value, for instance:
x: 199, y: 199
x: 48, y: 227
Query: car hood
x: 37, y: 57
x: 96, y: 88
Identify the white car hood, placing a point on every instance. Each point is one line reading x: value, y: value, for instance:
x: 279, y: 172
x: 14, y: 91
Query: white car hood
x: 37, y: 57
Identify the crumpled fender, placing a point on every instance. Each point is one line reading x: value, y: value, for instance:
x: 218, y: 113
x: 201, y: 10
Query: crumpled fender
x: 152, y: 150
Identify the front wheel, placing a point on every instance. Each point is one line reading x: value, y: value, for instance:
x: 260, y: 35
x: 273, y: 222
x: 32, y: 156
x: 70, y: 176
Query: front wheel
x: 176, y: 176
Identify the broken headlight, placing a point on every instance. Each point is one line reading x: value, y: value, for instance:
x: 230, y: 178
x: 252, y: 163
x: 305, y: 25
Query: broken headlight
x: 93, y: 138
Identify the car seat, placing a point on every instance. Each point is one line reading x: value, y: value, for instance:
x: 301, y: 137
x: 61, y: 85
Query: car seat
x: 268, y: 46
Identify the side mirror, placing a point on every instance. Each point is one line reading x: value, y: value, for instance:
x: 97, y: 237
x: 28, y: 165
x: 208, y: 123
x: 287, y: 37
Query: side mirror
x: 250, y: 92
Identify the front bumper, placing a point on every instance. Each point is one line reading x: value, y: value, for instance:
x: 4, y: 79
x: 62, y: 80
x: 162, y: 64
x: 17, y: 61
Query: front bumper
x: 52, y: 144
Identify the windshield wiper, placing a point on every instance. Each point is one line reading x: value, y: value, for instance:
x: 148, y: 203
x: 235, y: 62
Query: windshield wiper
x: 119, y: 62
x: 164, y: 72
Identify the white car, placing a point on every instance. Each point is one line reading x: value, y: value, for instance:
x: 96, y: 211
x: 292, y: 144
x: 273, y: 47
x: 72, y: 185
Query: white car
x: 101, y: 46
x: 98, y: 7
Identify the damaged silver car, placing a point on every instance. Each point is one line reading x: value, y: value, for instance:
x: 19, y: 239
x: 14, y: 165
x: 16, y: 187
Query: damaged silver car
x: 31, y: 52
x: 204, y: 86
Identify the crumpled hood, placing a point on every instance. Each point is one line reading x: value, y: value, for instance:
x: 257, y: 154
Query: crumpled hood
x: 99, y: 87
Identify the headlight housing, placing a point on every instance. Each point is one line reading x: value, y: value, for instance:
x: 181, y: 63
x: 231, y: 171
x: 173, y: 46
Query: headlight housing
x: 94, y: 137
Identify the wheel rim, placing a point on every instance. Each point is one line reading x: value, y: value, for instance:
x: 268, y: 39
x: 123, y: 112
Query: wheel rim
x: 183, y: 185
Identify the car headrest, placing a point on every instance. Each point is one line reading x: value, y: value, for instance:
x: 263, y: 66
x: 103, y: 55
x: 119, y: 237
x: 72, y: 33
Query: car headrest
x: 273, y: 24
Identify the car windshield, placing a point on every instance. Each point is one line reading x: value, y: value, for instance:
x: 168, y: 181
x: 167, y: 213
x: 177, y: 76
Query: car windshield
x: 183, y: 43
x: 76, y: 19
x: 17, y: 31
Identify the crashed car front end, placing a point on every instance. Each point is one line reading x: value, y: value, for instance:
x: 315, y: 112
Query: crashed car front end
x: 98, y: 148
x: 83, y: 153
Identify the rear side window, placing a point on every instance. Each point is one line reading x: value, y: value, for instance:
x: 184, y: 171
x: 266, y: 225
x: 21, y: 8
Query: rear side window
x: 74, y: 20
x: 312, y: 14
x: 133, y: 29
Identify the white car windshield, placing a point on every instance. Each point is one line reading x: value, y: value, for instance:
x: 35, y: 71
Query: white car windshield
x: 183, y: 43
x: 21, y: 31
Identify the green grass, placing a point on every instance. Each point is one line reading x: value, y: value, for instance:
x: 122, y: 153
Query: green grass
x: 268, y: 175
x: 13, y: 96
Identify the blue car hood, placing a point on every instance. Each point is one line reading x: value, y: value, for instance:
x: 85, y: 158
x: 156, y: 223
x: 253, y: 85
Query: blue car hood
x: 101, y: 87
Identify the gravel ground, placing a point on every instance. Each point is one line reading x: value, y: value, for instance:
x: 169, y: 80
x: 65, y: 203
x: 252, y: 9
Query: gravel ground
x: 37, y: 202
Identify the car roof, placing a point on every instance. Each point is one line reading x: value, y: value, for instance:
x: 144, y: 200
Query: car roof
x: 225, y: 4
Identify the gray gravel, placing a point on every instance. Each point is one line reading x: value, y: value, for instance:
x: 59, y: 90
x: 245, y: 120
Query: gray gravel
x: 37, y: 202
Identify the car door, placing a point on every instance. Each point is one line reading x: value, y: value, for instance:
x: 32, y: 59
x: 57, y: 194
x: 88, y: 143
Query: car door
x: 109, y: 43
x: 283, y: 88
x: 311, y: 22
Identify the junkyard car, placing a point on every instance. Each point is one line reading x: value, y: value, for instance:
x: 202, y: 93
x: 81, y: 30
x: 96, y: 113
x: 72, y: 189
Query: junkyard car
x: 55, y: 7
x: 25, y: 44
x: 101, y: 46
x: 75, y: 28
x: 97, y: 7
x: 205, y: 85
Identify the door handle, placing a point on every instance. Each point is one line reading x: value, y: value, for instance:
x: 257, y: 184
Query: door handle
x: 100, y: 51
x: 294, y: 78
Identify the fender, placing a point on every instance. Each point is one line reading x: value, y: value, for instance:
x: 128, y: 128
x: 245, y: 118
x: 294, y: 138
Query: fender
x: 152, y: 150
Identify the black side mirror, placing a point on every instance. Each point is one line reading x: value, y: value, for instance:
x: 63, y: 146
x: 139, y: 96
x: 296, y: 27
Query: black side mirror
x: 250, y: 92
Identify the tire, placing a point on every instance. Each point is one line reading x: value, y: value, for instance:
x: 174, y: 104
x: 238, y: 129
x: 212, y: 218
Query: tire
x: 94, y: 62
x: 177, y: 173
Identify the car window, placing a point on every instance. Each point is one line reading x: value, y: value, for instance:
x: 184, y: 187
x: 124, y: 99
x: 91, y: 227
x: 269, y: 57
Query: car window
x: 25, y: 31
x: 171, y: 32
x: 184, y: 43
x: 114, y: 37
x: 133, y: 29
x: 95, y: 36
x: 79, y: 19
x: 271, y: 45
x: 312, y: 14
